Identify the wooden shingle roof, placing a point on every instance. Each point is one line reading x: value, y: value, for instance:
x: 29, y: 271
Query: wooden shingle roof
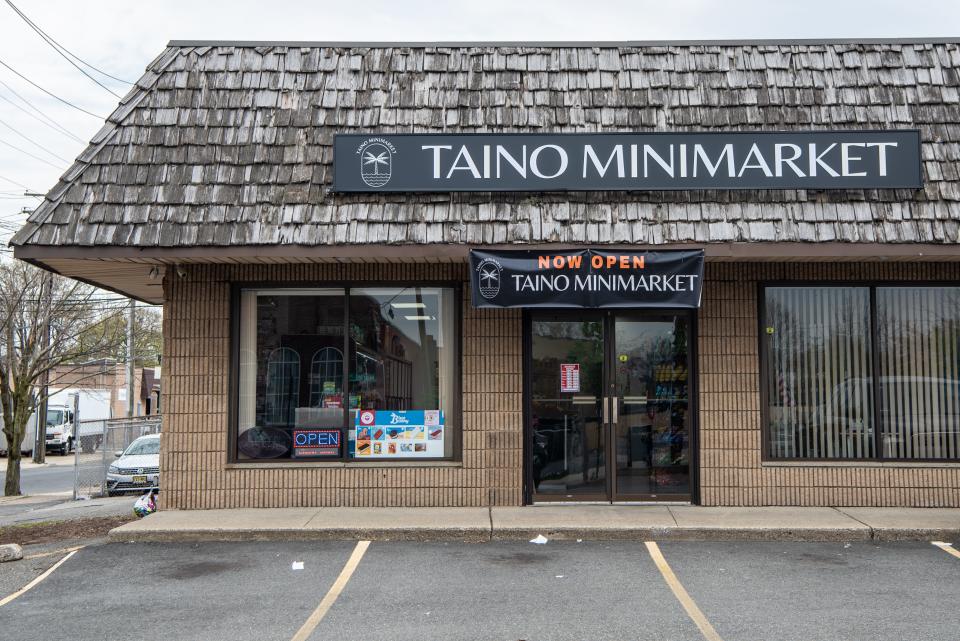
x: 230, y: 145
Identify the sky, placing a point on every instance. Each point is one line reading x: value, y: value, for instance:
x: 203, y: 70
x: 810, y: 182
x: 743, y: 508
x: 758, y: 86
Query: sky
x: 122, y: 37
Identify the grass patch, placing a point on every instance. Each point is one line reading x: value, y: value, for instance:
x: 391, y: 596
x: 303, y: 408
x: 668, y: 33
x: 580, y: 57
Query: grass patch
x: 51, y: 531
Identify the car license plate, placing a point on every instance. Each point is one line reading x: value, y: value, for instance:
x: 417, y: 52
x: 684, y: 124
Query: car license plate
x: 140, y: 479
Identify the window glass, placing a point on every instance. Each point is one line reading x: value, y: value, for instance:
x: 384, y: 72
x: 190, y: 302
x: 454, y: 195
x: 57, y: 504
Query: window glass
x: 401, y: 382
x: 820, y: 384
x: 918, y: 330
x: 289, y: 381
x: 399, y: 373
x: 145, y: 446
x: 818, y: 372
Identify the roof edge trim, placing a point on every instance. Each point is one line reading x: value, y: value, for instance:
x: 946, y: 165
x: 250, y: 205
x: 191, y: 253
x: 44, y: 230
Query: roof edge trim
x: 296, y: 253
x: 348, y: 44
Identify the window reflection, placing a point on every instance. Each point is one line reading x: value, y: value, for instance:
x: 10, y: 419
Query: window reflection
x: 283, y: 382
x: 822, y: 398
x: 400, y: 349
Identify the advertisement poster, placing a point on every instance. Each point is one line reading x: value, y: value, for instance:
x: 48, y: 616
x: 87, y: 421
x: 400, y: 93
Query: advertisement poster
x: 398, y: 434
x: 331, y: 397
x: 570, y: 377
x: 321, y: 443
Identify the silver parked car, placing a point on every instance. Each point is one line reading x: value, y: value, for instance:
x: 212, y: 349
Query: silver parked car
x: 137, y: 468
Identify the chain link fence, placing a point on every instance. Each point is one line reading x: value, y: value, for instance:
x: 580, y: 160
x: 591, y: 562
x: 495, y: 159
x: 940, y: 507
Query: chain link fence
x: 98, y: 442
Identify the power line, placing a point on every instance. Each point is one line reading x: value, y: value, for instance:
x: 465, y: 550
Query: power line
x: 14, y: 182
x: 15, y: 215
x: 50, y: 39
x: 57, y: 47
x: 24, y: 151
x: 50, y: 93
x: 49, y: 122
x: 30, y: 140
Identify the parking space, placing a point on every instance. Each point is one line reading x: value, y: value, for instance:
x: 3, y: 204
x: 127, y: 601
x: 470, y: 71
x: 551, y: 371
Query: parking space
x: 822, y: 591
x: 235, y: 592
x: 498, y: 591
x: 561, y: 590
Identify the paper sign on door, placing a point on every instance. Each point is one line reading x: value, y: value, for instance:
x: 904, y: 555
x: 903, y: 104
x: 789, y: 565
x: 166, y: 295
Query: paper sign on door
x: 570, y: 377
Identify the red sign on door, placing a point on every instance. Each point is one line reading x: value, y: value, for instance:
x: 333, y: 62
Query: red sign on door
x: 570, y: 377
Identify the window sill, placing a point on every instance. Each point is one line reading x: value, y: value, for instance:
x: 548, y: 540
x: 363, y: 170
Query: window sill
x: 275, y: 465
x: 878, y: 464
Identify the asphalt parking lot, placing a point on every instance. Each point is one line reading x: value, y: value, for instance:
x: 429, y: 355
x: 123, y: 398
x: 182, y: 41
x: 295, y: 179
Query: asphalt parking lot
x: 507, y: 591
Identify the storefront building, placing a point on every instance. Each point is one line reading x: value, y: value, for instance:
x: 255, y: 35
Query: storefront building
x: 499, y: 274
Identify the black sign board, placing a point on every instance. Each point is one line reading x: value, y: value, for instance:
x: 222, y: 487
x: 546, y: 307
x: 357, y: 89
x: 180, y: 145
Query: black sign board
x: 627, y: 161
x: 586, y: 278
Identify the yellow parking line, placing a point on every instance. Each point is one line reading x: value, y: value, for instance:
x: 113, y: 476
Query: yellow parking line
x: 682, y: 596
x: 314, y: 619
x: 946, y: 547
x: 37, y: 580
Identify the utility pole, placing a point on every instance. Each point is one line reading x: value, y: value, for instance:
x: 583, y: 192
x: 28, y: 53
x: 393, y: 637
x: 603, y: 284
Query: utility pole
x: 40, y: 424
x: 132, y: 310
x: 76, y: 444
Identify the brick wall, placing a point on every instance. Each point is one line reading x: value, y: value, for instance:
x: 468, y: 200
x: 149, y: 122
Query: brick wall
x: 196, y: 363
x: 730, y: 422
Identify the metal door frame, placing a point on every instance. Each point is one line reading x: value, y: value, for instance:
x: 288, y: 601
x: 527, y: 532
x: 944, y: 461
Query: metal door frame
x: 607, y: 317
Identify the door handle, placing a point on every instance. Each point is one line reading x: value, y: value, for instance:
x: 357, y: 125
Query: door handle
x: 606, y: 409
x: 614, y: 402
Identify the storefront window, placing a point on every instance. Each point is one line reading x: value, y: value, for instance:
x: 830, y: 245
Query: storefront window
x: 399, y: 373
x: 862, y: 372
x: 918, y: 330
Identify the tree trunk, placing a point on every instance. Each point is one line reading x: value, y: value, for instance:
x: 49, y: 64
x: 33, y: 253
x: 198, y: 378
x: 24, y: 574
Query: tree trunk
x: 11, y: 486
x: 21, y: 416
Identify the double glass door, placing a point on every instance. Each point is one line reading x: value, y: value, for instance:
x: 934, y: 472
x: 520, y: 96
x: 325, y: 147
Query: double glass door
x: 611, y: 410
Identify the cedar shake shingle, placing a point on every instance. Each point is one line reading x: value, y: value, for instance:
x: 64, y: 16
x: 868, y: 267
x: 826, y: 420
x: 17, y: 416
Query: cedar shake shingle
x: 231, y: 144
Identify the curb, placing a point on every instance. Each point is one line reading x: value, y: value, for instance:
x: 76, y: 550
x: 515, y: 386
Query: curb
x: 484, y: 535
x: 690, y: 534
x: 472, y: 535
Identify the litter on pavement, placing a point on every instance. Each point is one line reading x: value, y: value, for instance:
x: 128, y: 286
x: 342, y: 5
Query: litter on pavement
x: 540, y: 540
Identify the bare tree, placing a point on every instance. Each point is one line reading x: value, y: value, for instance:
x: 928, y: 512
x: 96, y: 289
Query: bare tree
x: 28, y: 306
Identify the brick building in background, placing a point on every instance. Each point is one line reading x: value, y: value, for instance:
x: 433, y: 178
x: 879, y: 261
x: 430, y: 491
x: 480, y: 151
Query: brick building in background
x: 112, y: 376
x: 327, y: 340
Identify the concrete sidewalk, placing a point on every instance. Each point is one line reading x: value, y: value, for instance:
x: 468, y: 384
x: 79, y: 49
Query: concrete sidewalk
x: 591, y: 522
x: 23, y: 510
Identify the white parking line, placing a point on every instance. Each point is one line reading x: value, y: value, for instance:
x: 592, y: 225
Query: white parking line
x: 314, y: 619
x: 37, y: 580
x: 946, y: 547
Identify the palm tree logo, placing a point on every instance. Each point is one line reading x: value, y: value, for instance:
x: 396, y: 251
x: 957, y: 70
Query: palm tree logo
x: 376, y: 161
x: 376, y: 165
x: 489, y: 277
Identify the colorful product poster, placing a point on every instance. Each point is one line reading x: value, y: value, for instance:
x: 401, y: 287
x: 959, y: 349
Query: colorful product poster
x: 397, y: 434
x: 331, y: 397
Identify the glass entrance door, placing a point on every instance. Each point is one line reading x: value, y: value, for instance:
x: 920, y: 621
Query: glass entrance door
x: 566, y: 382
x: 651, y: 396
x: 610, y: 406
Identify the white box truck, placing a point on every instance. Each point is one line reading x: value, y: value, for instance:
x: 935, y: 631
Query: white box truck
x: 26, y: 447
x: 94, y: 411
